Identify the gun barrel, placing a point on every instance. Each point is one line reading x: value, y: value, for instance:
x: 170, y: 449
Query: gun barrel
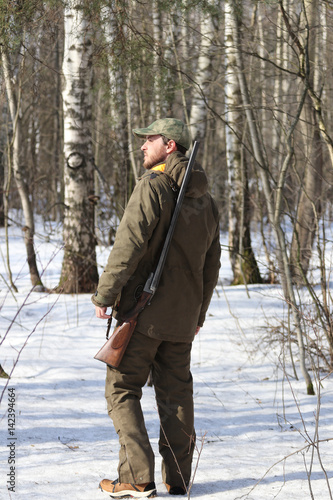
x: 159, y: 268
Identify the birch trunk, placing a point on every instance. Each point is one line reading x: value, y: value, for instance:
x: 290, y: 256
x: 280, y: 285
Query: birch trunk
x: 198, y: 114
x: 157, y: 23
x: 3, y: 189
x: 120, y: 102
x: 309, y: 207
x: 304, y: 70
x: 273, y: 202
x: 243, y: 262
x: 19, y: 175
x: 282, y: 91
x: 79, y: 269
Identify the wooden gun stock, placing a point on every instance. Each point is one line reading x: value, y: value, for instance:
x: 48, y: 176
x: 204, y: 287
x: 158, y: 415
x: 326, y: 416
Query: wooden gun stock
x: 113, y: 350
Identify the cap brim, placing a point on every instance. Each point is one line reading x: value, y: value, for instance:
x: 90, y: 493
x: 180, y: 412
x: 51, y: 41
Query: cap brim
x: 142, y: 132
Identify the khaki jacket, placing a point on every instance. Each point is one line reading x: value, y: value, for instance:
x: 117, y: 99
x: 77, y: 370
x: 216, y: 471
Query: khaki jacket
x: 192, y: 265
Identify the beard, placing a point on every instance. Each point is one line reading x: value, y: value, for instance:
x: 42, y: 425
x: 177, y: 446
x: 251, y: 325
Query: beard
x: 152, y: 160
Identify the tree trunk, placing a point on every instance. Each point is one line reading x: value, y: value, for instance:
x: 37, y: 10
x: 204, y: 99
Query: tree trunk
x: 79, y: 269
x: 309, y: 206
x: 305, y: 73
x: 157, y: 28
x: 115, y: 28
x: 243, y: 262
x: 29, y: 228
x: 203, y: 75
x: 273, y: 208
x: 2, y: 190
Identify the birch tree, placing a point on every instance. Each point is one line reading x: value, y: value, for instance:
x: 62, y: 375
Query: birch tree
x: 2, y: 185
x: 203, y: 76
x: 282, y: 92
x: 305, y: 74
x: 243, y: 262
x: 115, y: 19
x: 273, y: 199
x: 157, y: 33
x: 308, y: 210
x: 79, y: 269
x: 13, y: 88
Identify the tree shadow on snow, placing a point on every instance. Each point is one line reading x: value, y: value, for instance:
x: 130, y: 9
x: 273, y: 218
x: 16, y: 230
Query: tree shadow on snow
x: 249, y: 486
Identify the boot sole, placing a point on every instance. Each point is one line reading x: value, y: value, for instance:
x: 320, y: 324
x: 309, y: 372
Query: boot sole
x: 131, y: 494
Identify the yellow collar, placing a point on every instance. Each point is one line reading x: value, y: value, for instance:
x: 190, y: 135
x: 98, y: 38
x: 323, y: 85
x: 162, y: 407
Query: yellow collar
x: 159, y: 168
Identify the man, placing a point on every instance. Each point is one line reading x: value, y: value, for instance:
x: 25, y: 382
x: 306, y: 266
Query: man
x: 166, y: 328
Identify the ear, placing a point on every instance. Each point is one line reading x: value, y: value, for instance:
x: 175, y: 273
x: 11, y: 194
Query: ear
x: 171, y: 146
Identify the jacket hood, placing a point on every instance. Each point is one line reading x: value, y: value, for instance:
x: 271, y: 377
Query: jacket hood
x: 175, y: 167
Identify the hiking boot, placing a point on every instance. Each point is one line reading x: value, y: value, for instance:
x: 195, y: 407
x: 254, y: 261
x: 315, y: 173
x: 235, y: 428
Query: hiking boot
x: 175, y: 490
x: 126, y: 490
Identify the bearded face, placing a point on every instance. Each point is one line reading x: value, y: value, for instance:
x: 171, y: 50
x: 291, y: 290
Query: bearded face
x: 154, y: 151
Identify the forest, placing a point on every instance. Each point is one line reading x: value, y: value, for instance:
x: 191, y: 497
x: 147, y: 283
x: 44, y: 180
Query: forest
x: 252, y: 79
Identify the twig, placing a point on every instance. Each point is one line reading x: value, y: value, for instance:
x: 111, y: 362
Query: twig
x: 19, y: 352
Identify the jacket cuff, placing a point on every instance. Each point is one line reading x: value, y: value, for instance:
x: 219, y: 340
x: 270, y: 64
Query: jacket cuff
x: 100, y: 301
x: 201, y: 320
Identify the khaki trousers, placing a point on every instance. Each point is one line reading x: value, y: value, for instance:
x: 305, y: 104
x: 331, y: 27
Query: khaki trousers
x: 170, y: 364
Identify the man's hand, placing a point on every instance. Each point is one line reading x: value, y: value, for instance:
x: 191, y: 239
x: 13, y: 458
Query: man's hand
x: 197, y: 330
x: 101, y: 312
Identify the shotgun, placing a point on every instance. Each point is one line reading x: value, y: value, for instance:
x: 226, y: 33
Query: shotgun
x: 113, y: 350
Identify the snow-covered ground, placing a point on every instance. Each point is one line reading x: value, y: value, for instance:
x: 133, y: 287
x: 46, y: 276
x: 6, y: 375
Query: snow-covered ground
x: 254, y: 421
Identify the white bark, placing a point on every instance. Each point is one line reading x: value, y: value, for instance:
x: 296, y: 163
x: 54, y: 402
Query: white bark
x: 120, y: 86
x: 198, y: 114
x: 77, y: 71
x: 310, y: 198
x: 110, y: 27
x: 79, y: 272
x: 14, y: 107
x: 156, y: 18
x: 243, y: 263
x: 281, y: 94
x: 273, y: 209
x: 173, y: 31
x: 232, y: 113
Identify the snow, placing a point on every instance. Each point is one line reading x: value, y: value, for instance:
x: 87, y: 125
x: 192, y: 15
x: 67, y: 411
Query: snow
x: 255, y: 423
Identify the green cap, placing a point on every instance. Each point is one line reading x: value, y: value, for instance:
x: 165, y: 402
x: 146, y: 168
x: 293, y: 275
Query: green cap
x: 170, y: 128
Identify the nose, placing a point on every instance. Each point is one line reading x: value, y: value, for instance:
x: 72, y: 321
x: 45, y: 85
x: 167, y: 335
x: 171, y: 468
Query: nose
x: 144, y: 146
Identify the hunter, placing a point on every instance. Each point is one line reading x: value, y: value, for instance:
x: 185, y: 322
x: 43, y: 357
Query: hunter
x: 162, y: 341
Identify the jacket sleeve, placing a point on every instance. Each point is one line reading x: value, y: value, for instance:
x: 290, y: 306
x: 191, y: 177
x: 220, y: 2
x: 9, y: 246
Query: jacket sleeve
x: 210, y: 274
x: 136, y: 227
